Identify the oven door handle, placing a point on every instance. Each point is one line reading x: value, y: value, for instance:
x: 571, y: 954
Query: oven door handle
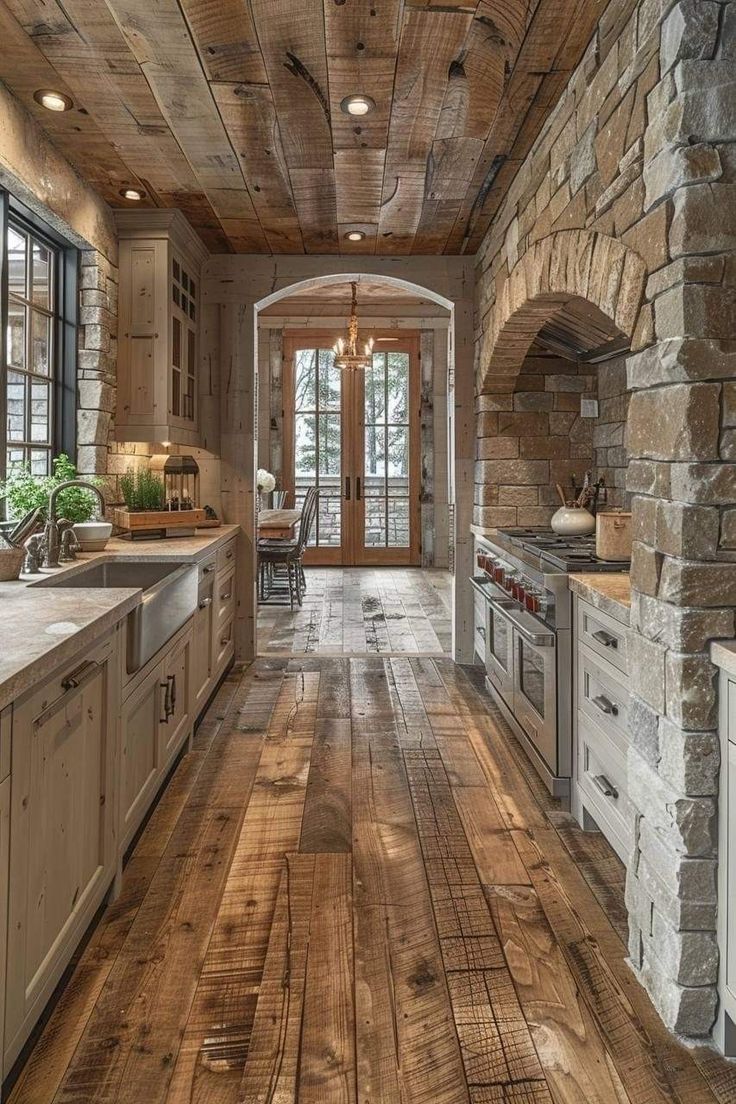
x: 542, y: 638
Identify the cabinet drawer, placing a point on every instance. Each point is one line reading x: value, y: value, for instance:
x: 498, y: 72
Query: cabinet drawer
x: 6, y: 723
x: 224, y: 644
x: 225, y: 597
x: 226, y: 555
x: 208, y: 569
x: 601, y: 781
x: 602, y: 635
x: 603, y: 699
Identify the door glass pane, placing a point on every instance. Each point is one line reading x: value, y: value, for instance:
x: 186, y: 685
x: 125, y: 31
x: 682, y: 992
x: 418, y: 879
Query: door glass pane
x: 398, y: 523
x: 305, y: 450
x: 375, y: 391
x: 305, y: 382
x: 329, y: 520
x: 531, y: 676
x: 375, y: 522
x: 398, y: 387
x: 16, y: 262
x: 398, y: 460
x: 329, y: 381
x: 375, y: 461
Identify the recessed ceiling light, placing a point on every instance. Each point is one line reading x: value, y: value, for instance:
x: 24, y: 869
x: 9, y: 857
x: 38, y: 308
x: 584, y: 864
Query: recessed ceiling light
x: 355, y: 235
x: 358, y: 104
x: 132, y: 193
x: 52, y: 100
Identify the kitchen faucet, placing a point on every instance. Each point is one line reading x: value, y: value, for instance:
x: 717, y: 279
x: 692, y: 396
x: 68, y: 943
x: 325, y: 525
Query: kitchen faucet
x: 51, y: 530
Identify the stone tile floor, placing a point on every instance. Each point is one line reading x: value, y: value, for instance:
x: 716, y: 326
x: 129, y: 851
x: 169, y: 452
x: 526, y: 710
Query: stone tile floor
x: 358, y: 610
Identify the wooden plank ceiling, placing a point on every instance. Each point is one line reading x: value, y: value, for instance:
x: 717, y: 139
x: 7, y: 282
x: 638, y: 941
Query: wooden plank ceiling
x: 230, y: 109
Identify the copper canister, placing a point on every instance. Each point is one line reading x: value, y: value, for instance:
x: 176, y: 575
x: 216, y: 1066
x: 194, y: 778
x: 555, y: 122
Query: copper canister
x: 613, y: 536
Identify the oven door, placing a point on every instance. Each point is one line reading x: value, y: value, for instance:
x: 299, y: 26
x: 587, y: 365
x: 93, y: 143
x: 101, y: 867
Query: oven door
x: 500, y: 652
x: 535, y: 685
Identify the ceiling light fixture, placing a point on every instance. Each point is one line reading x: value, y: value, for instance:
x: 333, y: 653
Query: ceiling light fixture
x: 132, y: 193
x: 346, y: 352
x: 358, y: 104
x: 355, y: 235
x: 53, y: 100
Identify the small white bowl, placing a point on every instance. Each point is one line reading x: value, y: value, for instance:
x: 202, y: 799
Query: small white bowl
x: 93, y: 535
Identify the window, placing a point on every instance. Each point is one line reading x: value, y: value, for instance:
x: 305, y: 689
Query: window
x: 38, y: 340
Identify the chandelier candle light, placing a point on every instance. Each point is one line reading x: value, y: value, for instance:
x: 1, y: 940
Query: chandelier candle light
x: 346, y: 352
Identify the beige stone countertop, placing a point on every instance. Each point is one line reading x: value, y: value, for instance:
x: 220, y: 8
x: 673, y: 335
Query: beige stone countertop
x: 607, y: 591
x: 723, y: 654
x: 44, y: 627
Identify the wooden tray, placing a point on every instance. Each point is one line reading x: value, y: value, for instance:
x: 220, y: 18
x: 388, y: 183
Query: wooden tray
x: 159, y: 519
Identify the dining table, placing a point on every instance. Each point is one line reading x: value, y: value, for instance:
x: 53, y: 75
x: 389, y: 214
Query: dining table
x: 278, y: 524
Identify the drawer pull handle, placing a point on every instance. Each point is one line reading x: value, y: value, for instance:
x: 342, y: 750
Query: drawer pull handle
x: 172, y: 679
x: 77, y: 678
x: 606, y: 705
x: 225, y: 597
x: 205, y: 602
x: 607, y: 788
x: 208, y: 569
x: 608, y: 640
x: 166, y: 687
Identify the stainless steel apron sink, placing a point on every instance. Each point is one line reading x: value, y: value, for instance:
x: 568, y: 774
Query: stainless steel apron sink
x: 169, y: 599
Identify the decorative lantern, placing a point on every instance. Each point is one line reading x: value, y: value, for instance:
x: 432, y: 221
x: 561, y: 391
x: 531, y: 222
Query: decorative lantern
x: 181, y: 480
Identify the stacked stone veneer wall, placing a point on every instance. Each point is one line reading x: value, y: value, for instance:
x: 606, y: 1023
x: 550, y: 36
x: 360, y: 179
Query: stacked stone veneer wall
x: 628, y: 200
x: 610, y: 455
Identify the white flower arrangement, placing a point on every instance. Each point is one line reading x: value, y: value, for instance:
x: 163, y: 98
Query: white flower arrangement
x: 265, y: 482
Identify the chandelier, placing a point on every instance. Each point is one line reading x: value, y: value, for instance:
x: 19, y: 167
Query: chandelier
x: 346, y: 352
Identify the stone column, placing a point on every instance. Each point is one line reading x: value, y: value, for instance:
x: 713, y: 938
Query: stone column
x: 96, y: 366
x: 682, y: 448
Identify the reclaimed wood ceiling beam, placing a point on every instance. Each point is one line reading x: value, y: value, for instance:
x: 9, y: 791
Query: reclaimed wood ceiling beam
x: 294, y: 53
x: 24, y: 69
x: 431, y: 41
x: 159, y: 39
x: 362, y: 42
x: 227, y: 41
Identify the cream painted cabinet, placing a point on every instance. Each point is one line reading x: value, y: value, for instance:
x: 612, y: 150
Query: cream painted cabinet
x: 140, y: 752
x: 4, y: 876
x: 202, y: 647
x: 725, y: 1027
x: 62, y: 835
x: 160, y: 259
x: 176, y: 718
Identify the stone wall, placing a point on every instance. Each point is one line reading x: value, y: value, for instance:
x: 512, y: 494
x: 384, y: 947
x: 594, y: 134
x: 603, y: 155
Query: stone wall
x: 628, y: 201
x: 610, y: 456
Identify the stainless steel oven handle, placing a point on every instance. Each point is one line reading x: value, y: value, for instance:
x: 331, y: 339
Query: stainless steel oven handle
x: 541, y: 639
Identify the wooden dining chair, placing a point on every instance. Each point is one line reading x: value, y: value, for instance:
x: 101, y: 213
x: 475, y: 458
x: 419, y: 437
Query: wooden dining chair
x: 288, y: 553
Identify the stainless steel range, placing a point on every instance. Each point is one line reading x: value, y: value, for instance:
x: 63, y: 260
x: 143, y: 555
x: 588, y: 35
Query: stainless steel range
x: 527, y: 609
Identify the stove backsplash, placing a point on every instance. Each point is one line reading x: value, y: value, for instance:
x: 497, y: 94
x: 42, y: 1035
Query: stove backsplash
x: 534, y: 437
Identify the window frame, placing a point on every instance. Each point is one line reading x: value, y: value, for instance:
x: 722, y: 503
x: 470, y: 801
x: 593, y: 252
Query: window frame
x: 64, y: 325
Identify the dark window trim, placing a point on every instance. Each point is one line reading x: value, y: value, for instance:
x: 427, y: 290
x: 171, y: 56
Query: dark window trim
x: 66, y: 262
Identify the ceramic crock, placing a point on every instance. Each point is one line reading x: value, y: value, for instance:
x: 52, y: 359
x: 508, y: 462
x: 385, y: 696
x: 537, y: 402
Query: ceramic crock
x: 572, y: 521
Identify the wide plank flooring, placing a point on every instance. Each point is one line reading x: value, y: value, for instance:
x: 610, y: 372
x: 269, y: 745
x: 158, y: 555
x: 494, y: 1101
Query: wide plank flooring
x: 355, y: 891
x: 359, y: 610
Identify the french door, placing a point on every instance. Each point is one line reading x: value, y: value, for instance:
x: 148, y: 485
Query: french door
x: 355, y: 436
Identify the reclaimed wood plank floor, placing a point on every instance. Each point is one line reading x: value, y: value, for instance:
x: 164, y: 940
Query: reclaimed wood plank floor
x: 355, y: 891
x: 359, y: 610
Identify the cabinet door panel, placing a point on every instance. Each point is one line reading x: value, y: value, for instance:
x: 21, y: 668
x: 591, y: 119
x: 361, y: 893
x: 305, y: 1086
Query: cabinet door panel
x: 729, y: 846
x: 140, y: 718
x: 201, y: 657
x: 177, y: 687
x: 62, y: 853
x: 4, y: 877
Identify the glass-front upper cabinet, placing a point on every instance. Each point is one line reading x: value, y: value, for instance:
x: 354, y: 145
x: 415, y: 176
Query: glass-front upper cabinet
x: 160, y: 262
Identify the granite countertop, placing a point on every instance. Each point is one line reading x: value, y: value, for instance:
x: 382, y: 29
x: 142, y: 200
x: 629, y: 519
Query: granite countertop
x: 607, y: 591
x: 723, y: 654
x: 45, y: 627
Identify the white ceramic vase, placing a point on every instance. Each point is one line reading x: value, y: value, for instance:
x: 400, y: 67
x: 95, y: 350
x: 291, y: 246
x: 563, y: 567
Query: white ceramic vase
x: 572, y: 521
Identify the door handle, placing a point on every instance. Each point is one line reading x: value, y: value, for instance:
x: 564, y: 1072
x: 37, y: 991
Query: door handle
x: 608, y: 640
x: 173, y: 693
x: 347, y: 487
x: 605, y: 705
x: 357, y: 488
x: 166, y: 686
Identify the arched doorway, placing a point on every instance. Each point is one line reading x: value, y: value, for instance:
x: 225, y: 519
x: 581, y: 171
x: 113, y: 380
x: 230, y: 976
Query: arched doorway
x: 371, y: 510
